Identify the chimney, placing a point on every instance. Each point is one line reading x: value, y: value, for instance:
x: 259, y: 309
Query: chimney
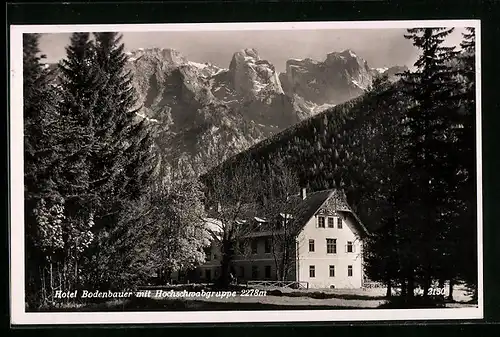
x: 303, y: 193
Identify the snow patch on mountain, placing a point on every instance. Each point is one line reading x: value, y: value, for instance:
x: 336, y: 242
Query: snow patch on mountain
x: 358, y: 85
x: 381, y: 70
x: 143, y: 116
x: 198, y: 65
x: 348, y: 52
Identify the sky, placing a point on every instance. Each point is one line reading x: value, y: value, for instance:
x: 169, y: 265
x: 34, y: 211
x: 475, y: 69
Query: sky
x: 379, y: 47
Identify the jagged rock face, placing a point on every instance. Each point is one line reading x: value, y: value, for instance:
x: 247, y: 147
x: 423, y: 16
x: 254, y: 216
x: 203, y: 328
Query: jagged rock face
x: 205, y: 109
x: 249, y: 74
x: 207, y: 113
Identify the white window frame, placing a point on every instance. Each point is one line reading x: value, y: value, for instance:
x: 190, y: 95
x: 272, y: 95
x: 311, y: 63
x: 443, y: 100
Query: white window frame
x: 319, y: 222
x: 349, y: 244
x: 312, y: 268
x: 311, y: 242
x: 334, y: 245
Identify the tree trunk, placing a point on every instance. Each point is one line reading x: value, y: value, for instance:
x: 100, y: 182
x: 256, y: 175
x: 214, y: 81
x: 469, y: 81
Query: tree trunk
x: 427, y: 284
x: 42, y: 290
x: 59, y: 275
x: 410, y: 292
x: 224, y: 279
x: 282, y: 268
x: 51, y: 282
x: 159, y: 276
x: 167, y: 273
x: 76, y: 273
x: 224, y: 275
x: 389, y: 288
x: 403, y: 287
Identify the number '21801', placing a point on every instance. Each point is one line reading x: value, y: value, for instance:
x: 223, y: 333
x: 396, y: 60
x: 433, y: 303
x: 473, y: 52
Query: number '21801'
x: 432, y: 291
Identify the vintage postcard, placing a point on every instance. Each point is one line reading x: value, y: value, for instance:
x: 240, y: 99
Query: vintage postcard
x: 245, y: 172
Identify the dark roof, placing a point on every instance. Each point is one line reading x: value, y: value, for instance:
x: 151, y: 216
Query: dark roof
x: 360, y: 228
x: 308, y: 207
x: 304, y: 209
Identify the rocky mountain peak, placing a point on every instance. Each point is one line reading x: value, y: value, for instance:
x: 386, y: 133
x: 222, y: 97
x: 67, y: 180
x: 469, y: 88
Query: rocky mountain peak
x: 340, y: 77
x: 346, y: 57
x: 168, y: 55
x: 250, y: 75
x: 348, y: 53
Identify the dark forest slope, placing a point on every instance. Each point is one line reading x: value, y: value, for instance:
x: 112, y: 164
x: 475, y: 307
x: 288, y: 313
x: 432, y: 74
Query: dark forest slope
x: 332, y: 149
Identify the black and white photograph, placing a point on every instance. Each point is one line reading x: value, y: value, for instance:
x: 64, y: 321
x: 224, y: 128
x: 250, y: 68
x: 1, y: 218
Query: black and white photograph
x: 246, y: 172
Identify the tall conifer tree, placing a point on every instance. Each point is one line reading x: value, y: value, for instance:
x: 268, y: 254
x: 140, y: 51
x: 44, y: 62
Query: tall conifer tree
x: 433, y: 87
x: 40, y: 157
x: 123, y: 158
x: 466, y: 146
x: 80, y: 87
x: 123, y: 161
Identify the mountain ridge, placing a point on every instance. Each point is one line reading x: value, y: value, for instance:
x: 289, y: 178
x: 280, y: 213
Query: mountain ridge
x: 208, y: 113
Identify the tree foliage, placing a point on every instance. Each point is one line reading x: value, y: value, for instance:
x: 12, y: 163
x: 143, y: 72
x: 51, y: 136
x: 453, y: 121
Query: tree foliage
x: 277, y: 186
x: 96, y: 216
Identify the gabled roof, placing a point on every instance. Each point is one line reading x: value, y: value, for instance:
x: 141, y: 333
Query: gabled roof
x: 360, y: 228
x: 308, y: 207
x: 304, y: 209
x: 301, y: 210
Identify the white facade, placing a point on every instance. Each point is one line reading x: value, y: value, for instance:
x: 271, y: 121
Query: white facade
x: 340, y: 258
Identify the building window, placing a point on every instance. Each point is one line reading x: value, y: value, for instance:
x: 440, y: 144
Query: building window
x: 267, y: 271
x: 312, y: 271
x: 255, y: 272
x: 331, y: 246
x: 349, y: 270
x: 311, y: 245
x: 208, y: 254
x: 350, y: 247
x: 332, y: 271
x: 330, y: 222
x: 339, y: 223
x: 321, y: 222
x: 242, y: 271
x: 267, y: 247
x: 215, y: 256
x: 254, y: 246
